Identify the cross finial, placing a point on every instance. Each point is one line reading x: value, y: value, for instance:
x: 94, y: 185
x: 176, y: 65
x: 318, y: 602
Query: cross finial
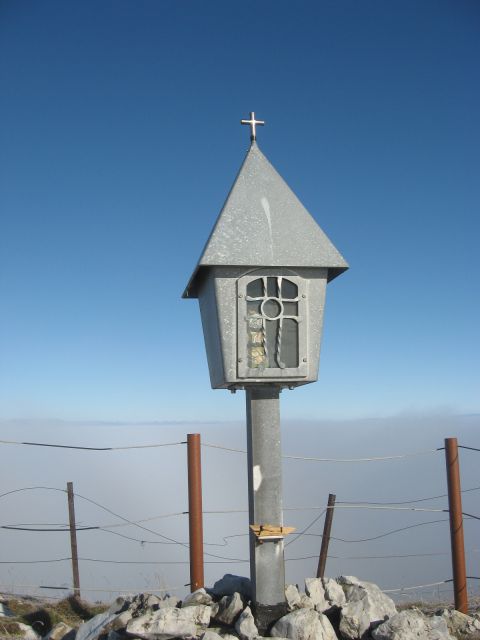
x: 253, y: 124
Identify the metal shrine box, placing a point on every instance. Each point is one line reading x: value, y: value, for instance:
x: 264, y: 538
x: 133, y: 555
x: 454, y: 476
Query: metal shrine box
x: 261, y: 283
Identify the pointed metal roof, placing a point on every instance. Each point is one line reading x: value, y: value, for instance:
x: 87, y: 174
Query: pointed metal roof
x: 264, y: 224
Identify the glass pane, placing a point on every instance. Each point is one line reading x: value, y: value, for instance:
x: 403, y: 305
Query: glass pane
x: 253, y: 307
x: 272, y: 289
x: 255, y: 288
x: 290, y: 308
x: 271, y: 308
x: 289, y: 289
x: 255, y: 337
x: 289, y: 343
x: 271, y: 333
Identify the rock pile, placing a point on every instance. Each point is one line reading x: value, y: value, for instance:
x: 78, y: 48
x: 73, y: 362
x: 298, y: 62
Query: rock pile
x: 344, y: 608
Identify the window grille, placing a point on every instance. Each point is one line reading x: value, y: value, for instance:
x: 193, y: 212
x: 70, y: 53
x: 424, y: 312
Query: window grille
x: 271, y: 332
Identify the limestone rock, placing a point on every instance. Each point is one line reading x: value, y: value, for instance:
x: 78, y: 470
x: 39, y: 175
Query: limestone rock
x: 333, y: 592
x: 27, y: 632
x: 210, y: 634
x: 306, y: 602
x: 292, y: 596
x: 168, y: 601
x: 61, y: 631
x: 245, y: 625
x: 120, y: 604
x: 226, y: 634
x: 412, y: 625
x: 95, y: 627
x: 460, y: 625
x: 189, y: 622
x: 200, y: 596
x: 230, y: 584
x: 229, y: 608
x: 5, y: 611
x: 316, y: 591
x: 325, y: 593
x: 119, y: 622
x: 303, y: 624
x: 366, y: 606
x: 143, y: 603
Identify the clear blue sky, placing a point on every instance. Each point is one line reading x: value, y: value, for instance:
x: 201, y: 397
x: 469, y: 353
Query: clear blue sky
x: 120, y: 139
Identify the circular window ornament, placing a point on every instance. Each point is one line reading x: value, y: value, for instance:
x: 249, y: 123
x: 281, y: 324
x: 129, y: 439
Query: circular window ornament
x: 272, y: 308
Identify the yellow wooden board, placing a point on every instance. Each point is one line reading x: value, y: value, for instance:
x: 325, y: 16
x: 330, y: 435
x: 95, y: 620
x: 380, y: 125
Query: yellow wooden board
x: 271, y: 530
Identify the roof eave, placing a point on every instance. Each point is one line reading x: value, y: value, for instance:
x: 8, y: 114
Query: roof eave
x: 191, y: 290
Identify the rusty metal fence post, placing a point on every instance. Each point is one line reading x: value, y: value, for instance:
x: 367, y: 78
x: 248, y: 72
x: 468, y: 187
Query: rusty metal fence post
x: 73, y: 540
x: 327, y: 528
x: 195, y: 511
x: 456, y: 525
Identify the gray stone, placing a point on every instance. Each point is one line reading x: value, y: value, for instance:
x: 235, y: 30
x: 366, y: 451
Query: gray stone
x: 303, y: 624
x: 169, y: 601
x: 226, y: 634
x: 26, y: 632
x: 189, y: 622
x: 292, y: 596
x: 93, y: 628
x: 306, y: 602
x: 296, y: 600
x: 460, y: 625
x: 210, y: 634
x: 143, y: 603
x: 412, y: 625
x: 60, y: 631
x: 5, y: 611
x: 200, y: 596
x: 245, y: 625
x: 229, y: 608
x: 230, y: 584
x: 122, y: 603
x: 119, y: 622
x: 366, y: 607
x: 333, y: 592
x: 316, y: 591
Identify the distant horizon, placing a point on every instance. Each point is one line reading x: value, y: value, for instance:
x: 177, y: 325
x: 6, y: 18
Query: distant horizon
x: 407, y: 414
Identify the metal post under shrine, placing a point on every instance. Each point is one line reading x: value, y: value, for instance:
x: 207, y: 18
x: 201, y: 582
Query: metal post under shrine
x: 267, y: 568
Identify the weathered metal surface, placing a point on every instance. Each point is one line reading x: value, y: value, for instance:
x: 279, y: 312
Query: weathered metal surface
x: 73, y: 539
x: 220, y: 312
x: 267, y: 569
x: 195, y: 511
x: 264, y: 224
x: 327, y: 530
x: 456, y: 525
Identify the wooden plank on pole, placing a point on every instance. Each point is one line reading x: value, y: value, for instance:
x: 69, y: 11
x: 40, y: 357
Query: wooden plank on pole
x: 73, y: 540
x: 456, y: 525
x: 327, y: 528
x: 195, y: 511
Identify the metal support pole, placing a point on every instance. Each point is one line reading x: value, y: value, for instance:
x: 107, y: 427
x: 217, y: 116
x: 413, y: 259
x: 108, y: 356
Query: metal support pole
x: 195, y: 511
x: 327, y: 529
x: 456, y: 525
x: 73, y: 540
x: 267, y: 567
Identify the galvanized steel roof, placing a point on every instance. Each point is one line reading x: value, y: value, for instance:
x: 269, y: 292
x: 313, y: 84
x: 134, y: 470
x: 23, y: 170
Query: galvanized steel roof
x: 264, y: 224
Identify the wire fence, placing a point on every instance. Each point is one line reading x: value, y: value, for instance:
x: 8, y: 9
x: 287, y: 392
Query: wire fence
x: 160, y: 538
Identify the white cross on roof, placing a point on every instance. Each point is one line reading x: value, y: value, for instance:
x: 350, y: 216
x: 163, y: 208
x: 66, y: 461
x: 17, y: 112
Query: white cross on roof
x: 253, y: 123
